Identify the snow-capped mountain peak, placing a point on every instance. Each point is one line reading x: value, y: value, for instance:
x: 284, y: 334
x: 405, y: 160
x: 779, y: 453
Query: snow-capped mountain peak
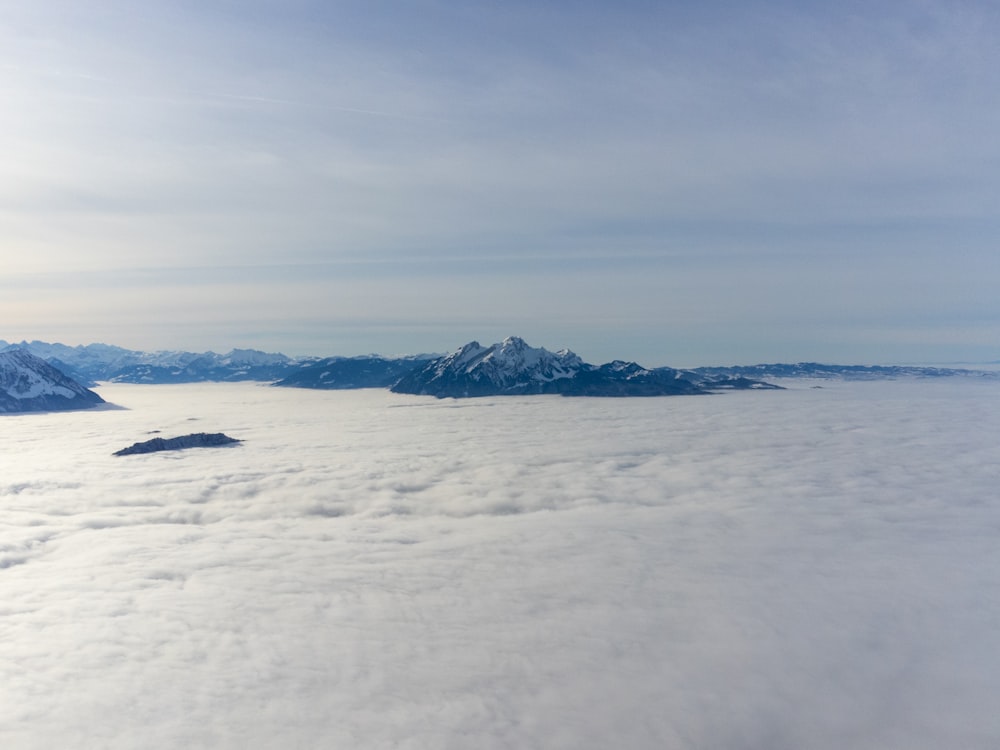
x: 513, y: 355
x: 467, y: 357
x: 508, y: 363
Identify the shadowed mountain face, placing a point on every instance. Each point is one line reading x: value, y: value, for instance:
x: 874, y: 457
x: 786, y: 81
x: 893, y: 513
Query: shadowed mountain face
x: 28, y: 383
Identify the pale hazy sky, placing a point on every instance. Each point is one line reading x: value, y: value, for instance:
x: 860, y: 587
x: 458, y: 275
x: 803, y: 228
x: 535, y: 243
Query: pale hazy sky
x: 671, y: 182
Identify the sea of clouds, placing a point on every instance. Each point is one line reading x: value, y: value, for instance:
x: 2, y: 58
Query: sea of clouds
x: 810, y: 568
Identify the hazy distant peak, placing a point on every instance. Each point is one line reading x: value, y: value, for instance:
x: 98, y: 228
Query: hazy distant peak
x: 253, y: 357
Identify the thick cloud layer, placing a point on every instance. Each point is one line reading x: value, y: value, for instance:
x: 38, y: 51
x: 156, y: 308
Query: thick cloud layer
x: 814, y: 568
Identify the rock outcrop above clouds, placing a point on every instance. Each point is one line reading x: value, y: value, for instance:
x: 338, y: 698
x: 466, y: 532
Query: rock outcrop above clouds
x: 29, y: 383
x: 194, y: 440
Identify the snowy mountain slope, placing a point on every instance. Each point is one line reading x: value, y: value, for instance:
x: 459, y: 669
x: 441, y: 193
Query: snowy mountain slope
x: 28, y: 383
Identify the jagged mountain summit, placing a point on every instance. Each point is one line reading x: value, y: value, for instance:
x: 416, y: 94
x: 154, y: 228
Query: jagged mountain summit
x: 29, y: 383
x: 512, y: 367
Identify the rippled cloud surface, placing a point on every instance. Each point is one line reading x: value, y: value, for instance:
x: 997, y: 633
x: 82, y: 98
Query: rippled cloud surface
x: 814, y: 568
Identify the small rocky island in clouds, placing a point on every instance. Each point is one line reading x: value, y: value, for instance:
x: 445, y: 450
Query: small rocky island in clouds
x: 194, y: 440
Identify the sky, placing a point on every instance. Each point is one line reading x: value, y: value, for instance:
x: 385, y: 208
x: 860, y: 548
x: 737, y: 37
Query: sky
x: 669, y: 182
x: 808, y: 568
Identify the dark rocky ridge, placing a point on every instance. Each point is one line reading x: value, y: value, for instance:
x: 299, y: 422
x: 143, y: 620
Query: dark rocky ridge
x: 101, y: 362
x: 194, y: 440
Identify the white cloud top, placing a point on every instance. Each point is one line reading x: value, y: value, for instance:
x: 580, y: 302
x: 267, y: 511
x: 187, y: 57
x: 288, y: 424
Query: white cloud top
x: 808, y: 568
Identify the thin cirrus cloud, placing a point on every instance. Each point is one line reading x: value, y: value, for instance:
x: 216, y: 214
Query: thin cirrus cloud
x: 781, y: 568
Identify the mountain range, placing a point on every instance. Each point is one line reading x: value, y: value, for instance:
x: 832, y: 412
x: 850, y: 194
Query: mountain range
x: 94, y: 363
x: 510, y: 367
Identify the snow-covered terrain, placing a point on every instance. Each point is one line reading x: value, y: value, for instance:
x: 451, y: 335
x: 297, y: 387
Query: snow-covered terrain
x: 28, y: 383
x: 801, y: 569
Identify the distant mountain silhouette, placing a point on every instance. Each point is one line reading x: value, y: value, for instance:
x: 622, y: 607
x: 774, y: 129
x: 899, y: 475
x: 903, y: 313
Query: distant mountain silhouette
x: 342, y: 373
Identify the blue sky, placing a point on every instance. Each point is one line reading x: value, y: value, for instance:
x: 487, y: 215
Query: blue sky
x: 675, y: 183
